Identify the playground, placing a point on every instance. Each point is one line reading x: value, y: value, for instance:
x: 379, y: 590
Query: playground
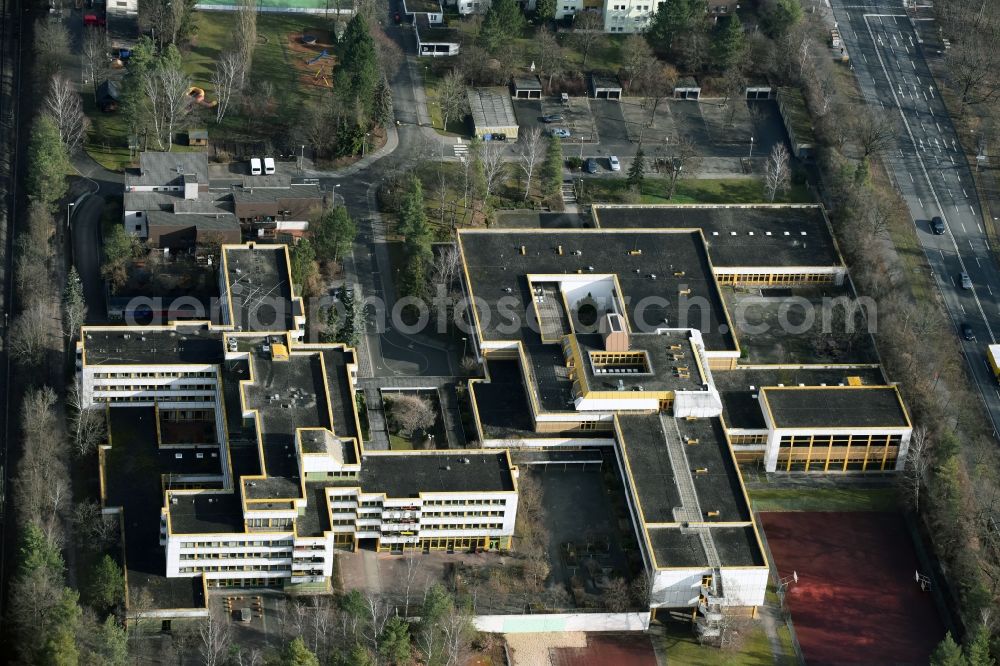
x: 311, y: 52
x: 857, y: 598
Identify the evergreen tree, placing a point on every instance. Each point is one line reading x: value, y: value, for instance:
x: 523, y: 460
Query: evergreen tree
x: 672, y: 19
x: 36, y: 552
x: 303, y: 258
x: 353, y: 326
x: 333, y: 234
x: 546, y: 10
x: 382, y: 103
x: 977, y: 650
x: 727, y: 42
x: 778, y: 16
x: 48, y: 162
x: 107, y: 585
x: 417, y: 241
x: 357, y: 72
x: 61, y: 625
x: 947, y: 653
x: 552, y: 167
x: 296, y: 654
x: 637, y: 172
x: 112, y: 643
x: 395, y: 642
x: 502, y: 23
x: 74, y: 305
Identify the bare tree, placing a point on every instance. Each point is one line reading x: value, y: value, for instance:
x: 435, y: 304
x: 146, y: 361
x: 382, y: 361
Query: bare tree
x: 637, y: 56
x: 657, y: 83
x: 875, y: 217
x: 87, y: 423
x: 411, y: 412
x: 875, y: 133
x: 93, y: 529
x: 551, y: 58
x: 214, y: 639
x: 246, y: 36
x: 65, y: 107
x: 167, y: 101
x: 31, y: 334
x: 616, y: 595
x: 681, y: 160
x: 734, y: 85
x: 412, y: 567
x: 918, y: 461
x: 975, y: 71
x: 776, y: 172
x: 588, y: 33
x: 494, y: 168
x: 529, y: 151
x: 226, y: 79
x: 51, y: 45
x: 95, y: 57
x: 457, y: 633
x: 452, y: 97
x: 378, y: 612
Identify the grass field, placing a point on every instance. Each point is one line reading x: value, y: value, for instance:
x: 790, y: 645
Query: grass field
x: 682, y: 647
x: 274, y: 62
x: 823, y: 499
x: 694, y: 190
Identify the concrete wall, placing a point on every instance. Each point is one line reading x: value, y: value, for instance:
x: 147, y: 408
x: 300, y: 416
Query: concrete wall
x: 523, y: 624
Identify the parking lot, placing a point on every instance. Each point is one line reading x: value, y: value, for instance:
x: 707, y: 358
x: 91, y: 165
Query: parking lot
x: 576, y: 115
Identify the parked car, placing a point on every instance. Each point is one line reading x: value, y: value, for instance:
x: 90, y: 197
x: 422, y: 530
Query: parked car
x: 967, y: 333
x: 965, y: 280
x: 498, y: 136
x: 255, y: 169
x: 614, y: 163
x: 552, y: 118
x: 564, y: 98
x: 560, y: 132
x: 590, y: 165
x: 268, y: 165
x: 937, y: 226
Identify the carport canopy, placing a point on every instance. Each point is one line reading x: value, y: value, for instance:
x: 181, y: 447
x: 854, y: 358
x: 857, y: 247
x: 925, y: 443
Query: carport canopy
x: 526, y: 87
x: 492, y: 112
x: 605, y: 87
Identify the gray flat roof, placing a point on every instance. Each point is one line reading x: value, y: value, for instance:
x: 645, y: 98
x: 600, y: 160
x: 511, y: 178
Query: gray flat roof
x: 159, y: 169
x: 740, y: 387
x: 226, y: 222
x: 206, y: 513
x: 605, y: 82
x: 194, y: 345
x: 678, y: 260
x: 151, y: 200
x: 662, y: 374
x: 407, y: 475
x: 491, y: 107
x: 527, y: 83
x: 258, y: 194
x: 679, y: 547
x: 257, y: 279
x: 836, y: 407
x: 740, y: 236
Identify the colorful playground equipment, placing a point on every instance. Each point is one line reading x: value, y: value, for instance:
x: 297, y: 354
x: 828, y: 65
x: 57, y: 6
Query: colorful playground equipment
x: 321, y: 73
x: 322, y: 54
x: 197, y: 96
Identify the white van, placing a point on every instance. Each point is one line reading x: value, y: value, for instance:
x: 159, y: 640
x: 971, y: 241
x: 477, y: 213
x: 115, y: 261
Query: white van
x: 268, y: 165
x: 255, y: 166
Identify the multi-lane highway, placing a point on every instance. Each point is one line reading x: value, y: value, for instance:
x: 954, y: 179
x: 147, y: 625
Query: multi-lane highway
x: 929, y: 168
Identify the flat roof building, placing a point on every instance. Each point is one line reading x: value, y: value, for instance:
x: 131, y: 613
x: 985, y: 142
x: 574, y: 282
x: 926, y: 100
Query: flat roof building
x: 492, y: 113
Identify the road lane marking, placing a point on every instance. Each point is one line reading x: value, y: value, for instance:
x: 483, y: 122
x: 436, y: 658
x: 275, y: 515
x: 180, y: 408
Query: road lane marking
x: 964, y: 193
x: 972, y: 209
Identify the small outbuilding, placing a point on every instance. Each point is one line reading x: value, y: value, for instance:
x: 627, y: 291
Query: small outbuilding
x: 526, y: 87
x: 197, y: 137
x: 759, y: 91
x: 492, y: 114
x: 107, y: 96
x: 798, y: 124
x: 605, y: 87
x: 687, y: 88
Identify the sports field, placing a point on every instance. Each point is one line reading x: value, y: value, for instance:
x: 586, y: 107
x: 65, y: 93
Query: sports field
x: 856, y: 600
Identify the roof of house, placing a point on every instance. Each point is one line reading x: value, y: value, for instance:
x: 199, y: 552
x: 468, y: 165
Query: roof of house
x: 527, y: 82
x: 740, y: 236
x: 836, y: 407
x: 221, y: 222
x: 160, y: 169
x: 409, y: 474
x: 491, y: 107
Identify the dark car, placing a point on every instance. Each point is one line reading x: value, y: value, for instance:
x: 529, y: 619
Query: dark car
x: 937, y: 226
x: 590, y: 165
x: 967, y: 333
x: 552, y: 118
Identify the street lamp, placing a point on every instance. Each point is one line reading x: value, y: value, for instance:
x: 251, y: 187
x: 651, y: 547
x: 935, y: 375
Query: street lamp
x: 751, y: 148
x: 335, y: 195
x: 69, y: 215
x: 302, y: 156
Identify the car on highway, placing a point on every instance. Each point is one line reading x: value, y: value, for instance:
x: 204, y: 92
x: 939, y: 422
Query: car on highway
x: 560, y: 132
x: 937, y: 226
x: 552, y: 118
x: 965, y: 280
x: 967, y: 332
x: 615, y: 164
x: 590, y: 166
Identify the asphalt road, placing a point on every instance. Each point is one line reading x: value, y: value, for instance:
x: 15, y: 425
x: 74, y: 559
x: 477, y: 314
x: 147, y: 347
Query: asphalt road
x: 930, y: 170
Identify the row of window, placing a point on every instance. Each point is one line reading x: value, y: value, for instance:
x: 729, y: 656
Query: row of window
x: 156, y: 375
x: 244, y: 567
x: 236, y: 555
x: 140, y: 398
x: 819, y: 441
x: 775, y: 278
x: 155, y: 387
x: 747, y: 439
x: 500, y: 502
x: 269, y: 522
x: 279, y: 543
x: 462, y: 514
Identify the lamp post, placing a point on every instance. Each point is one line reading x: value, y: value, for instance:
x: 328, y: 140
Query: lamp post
x: 302, y: 156
x: 751, y: 148
x: 335, y: 195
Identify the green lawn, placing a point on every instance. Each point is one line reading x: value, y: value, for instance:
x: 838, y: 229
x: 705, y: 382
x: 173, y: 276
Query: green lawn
x: 683, y: 648
x: 694, y: 190
x: 107, y: 142
x: 823, y: 499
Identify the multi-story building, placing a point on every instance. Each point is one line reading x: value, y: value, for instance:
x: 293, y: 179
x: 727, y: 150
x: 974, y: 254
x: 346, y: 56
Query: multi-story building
x: 621, y: 336
x: 635, y: 15
x: 235, y: 454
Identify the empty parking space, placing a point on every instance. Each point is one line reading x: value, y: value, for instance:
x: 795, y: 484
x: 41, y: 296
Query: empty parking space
x: 609, y: 122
